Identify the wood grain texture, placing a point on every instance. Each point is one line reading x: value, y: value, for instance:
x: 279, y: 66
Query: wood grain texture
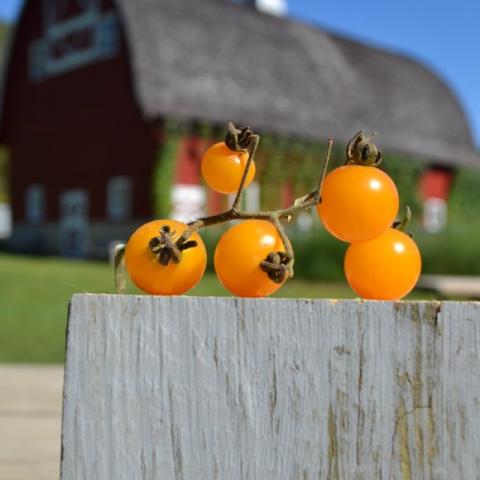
x: 191, y: 388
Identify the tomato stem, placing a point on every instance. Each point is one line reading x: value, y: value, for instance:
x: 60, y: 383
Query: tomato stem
x: 252, y: 148
x: 324, y: 170
x: 403, y: 224
x: 120, y: 274
x: 287, y: 244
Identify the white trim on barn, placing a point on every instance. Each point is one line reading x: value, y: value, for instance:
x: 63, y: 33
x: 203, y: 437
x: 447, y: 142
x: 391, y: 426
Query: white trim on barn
x: 58, y: 50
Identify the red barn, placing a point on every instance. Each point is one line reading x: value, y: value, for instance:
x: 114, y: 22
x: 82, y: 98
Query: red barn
x: 91, y: 85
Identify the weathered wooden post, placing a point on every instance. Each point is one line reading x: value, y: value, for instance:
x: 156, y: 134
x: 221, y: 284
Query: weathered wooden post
x: 227, y: 388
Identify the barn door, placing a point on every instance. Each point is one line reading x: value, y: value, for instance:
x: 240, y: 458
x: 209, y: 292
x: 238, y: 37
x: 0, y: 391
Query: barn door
x: 73, y: 240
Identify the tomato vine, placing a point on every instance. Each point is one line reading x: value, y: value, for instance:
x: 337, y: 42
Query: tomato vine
x: 356, y: 202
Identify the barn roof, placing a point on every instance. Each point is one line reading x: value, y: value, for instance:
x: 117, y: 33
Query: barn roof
x: 214, y: 60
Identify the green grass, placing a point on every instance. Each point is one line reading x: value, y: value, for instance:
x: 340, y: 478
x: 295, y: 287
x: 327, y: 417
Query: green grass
x: 34, y: 295
x: 35, y: 291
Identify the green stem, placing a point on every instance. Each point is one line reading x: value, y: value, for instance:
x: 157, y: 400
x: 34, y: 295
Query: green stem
x: 324, y: 170
x: 232, y: 214
x: 287, y: 244
x: 406, y: 220
x: 119, y: 269
x: 252, y: 148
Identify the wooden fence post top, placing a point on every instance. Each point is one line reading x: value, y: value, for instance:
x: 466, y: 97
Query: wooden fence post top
x: 229, y: 388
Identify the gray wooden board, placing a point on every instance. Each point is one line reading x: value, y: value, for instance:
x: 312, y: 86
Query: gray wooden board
x: 225, y: 388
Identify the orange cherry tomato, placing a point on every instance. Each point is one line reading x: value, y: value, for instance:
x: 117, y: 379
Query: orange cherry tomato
x: 358, y: 203
x: 239, y: 253
x: 149, y: 275
x: 385, y: 268
x: 222, y: 168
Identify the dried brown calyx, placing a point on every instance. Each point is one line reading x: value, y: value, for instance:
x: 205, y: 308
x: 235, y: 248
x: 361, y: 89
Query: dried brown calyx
x: 166, y: 248
x: 278, y: 266
x: 239, y: 139
x: 362, y: 151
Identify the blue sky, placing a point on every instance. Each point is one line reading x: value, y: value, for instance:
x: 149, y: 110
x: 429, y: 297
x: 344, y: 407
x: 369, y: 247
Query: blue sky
x: 444, y: 34
x: 9, y: 9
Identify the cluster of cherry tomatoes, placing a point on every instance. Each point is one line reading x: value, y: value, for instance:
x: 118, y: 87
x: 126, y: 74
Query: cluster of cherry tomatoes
x: 359, y: 203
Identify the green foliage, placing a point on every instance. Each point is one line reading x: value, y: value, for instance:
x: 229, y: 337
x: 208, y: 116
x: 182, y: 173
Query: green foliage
x: 300, y: 163
x: 280, y: 161
x: 164, y: 171
x: 4, y: 159
x: 4, y: 31
x: 464, y: 202
x: 318, y: 255
x: 4, y: 156
x: 454, y: 251
x: 405, y: 172
x: 270, y: 164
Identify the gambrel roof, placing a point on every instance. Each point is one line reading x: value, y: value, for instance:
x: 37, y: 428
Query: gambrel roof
x: 213, y: 60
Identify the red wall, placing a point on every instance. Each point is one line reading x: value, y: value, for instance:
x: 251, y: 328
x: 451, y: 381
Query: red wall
x: 190, y: 151
x: 74, y: 130
x: 187, y: 170
x: 435, y: 183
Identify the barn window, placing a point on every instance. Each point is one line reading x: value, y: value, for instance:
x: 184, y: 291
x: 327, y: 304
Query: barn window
x: 72, y: 39
x: 119, y: 198
x: 35, y: 203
